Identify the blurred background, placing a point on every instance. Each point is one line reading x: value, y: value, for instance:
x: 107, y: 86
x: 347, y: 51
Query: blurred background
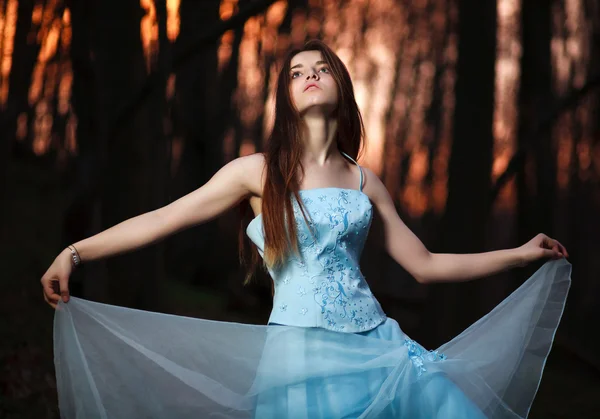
x: 482, y: 119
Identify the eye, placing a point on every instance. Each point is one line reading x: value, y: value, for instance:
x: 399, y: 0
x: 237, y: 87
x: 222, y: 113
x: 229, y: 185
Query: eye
x: 324, y: 69
x: 295, y: 74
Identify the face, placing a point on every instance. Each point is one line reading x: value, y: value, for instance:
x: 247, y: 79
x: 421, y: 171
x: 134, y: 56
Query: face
x: 312, y: 86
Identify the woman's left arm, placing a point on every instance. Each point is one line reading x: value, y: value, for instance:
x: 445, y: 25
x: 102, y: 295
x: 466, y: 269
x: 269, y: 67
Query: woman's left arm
x: 426, y: 267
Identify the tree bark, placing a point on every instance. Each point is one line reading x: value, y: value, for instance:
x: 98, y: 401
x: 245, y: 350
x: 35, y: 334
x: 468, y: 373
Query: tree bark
x: 119, y: 168
x: 536, y: 187
x: 197, y: 95
x: 463, y: 224
x: 24, y: 57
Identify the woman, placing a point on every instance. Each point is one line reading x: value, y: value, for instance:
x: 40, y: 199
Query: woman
x: 329, y: 350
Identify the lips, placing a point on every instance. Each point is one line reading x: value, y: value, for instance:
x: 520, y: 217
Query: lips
x: 311, y: 85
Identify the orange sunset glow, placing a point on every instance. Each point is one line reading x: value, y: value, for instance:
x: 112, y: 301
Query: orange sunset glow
x: 394, y: 51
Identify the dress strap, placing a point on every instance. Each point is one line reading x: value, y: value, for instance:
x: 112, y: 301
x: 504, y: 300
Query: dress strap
x: 359, y: 168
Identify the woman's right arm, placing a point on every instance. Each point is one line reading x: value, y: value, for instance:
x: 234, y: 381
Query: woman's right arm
x: 231, y: 184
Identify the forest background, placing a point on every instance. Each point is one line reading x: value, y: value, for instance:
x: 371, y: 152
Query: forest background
x: 482, y: 119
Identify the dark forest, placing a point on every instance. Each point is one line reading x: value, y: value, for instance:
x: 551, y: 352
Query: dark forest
x: 482, y: 118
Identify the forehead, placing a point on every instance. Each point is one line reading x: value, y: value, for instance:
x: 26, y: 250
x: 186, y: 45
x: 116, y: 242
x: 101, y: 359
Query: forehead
x: 306, y: 58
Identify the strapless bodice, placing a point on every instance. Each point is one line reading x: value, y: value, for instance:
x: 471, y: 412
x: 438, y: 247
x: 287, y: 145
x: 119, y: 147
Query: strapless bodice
x: 323, y: 285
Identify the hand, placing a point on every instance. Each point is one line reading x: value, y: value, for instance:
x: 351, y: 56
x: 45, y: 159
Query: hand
x: 56, y: 279
x: 542, y: 246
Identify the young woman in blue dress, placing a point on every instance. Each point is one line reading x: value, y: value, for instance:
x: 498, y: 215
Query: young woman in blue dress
x: 313, y: 205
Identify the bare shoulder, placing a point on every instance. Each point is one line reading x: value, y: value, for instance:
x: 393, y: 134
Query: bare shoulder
x: 255, y: 161
x: 252, y: 170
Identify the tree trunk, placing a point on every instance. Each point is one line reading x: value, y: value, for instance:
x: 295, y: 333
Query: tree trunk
x: 24, y: 56
x: 536, y: 183
x: 463, y: 224
x: 123, y: 168
x: 197, y: 97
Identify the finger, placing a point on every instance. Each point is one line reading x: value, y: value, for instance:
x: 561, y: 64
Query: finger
x: 563, y: 249
x: 551, y: 254
x: 556, y: 255
x: 49, y: 302
x: 557, y: 247
x: 49, y: 291
x: 64, y: 288
x: 552, y: 245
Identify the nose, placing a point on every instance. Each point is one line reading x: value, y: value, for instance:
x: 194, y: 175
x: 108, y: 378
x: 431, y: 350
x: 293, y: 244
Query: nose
x: 313, y: 75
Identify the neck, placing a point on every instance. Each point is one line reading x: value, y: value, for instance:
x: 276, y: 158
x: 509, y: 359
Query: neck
x: 319, y: 139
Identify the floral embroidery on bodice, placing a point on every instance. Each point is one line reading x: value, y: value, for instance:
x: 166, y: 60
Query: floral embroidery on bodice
x: 323, y: 286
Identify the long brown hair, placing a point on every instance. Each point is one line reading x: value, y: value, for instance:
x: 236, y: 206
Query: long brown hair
x: 283, y: 152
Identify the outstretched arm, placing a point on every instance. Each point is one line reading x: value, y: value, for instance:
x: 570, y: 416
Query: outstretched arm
x: 226, y: 188
x: 426, y: 267
x: 232, y: 183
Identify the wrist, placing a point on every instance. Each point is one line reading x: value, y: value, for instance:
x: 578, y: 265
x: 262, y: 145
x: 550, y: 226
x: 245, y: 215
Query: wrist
x: 73, y: 256
x: 520, y: 256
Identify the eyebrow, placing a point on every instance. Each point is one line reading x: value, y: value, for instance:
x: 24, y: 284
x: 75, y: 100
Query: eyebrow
x: 300, y: 65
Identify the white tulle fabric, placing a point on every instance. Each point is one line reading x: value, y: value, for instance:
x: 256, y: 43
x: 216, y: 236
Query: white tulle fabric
x: 115, y: 362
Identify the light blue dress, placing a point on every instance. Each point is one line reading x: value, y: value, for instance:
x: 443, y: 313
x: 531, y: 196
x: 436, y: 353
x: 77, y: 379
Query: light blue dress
x: 323, y: 286
x: 329, y: 350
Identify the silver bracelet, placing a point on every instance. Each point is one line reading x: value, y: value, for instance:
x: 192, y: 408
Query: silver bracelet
x: 74, y: 256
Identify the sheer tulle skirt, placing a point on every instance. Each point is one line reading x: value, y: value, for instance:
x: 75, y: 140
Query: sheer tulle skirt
x: 115, y: 362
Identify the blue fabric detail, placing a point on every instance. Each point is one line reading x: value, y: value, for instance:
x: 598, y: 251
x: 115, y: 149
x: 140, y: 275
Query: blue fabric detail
x: 420, y: 356
x: 323, y: 286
